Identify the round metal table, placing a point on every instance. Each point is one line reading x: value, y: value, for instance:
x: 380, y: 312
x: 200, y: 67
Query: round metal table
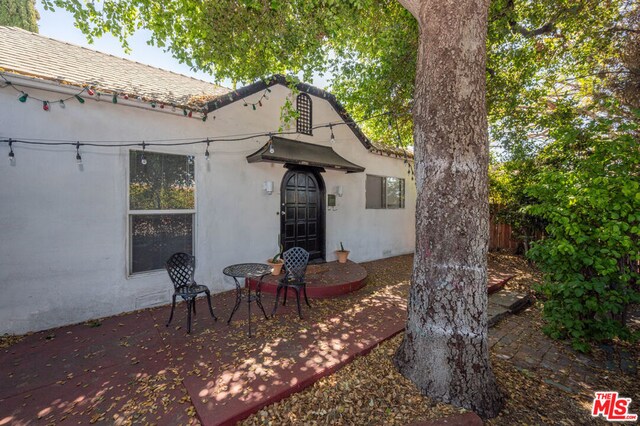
x: 247, y: 270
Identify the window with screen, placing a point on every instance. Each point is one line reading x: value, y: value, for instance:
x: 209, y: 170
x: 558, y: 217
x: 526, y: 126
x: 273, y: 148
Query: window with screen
x: 161, y: 208
x: 384, y: 192
x: 304, y: 123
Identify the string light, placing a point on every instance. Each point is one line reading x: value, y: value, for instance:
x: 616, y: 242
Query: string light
x: 143, y: 159
x: 45, y: 105
x: 78, y: 156
x: 23, y: 97
x: 333, y: 138
x: 12, y: 156
x: 185, y: 142
x: 259, y: 101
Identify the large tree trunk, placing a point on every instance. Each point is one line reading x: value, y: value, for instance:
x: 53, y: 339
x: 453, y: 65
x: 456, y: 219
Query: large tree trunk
x: 445, y: 347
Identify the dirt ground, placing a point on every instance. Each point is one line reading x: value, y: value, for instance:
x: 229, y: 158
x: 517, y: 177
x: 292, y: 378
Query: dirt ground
x: 371, y: 391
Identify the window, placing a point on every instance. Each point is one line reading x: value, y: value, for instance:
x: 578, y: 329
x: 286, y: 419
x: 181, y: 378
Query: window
x: 304, y: 123
x: 161, y: 208
x: 384, y: 192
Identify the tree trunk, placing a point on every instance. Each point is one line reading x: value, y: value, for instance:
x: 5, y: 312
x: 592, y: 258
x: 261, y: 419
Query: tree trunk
x: 445, y: 347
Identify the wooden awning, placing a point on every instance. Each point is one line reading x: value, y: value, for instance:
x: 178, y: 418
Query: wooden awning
x: 288, y: 151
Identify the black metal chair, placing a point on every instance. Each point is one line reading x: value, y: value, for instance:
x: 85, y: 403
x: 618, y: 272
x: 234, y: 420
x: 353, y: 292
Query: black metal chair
x: 295, y: 265
x: 181, y: 267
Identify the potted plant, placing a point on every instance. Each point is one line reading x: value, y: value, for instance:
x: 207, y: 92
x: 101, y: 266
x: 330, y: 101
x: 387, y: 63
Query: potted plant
x: 276, y: 263
x: 342, y: 254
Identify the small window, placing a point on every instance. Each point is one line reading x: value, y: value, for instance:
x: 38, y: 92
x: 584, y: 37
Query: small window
x: 384, y: 192
x: 304, y: 123
x: 161, y: 208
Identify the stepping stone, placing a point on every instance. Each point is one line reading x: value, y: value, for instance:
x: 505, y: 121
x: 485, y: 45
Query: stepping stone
x: 513, y: 301
x: 496, y: 313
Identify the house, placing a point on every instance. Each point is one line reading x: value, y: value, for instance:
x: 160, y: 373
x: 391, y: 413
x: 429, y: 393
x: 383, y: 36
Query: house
x: 112, y: 165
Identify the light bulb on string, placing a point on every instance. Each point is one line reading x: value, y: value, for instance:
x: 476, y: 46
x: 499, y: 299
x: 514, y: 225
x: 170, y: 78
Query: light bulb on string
x: 45, y: 105
x: 115, y: 98
x: 143, y: 159
x: 62, y: 104
x: 184, y: 112
x: 206, y: 151
x: 190, y: 114
x: 78, y: 156
x: 90, y: 91
x: 12, y: 156
x: 98, y: 99
x: 271, y: 149
x: 23, y: 98
x: 80, y: 99
x: 126, y: 97
x: 333, y: 138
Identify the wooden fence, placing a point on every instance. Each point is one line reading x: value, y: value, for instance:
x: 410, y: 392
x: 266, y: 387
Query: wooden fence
x: 501, y: 237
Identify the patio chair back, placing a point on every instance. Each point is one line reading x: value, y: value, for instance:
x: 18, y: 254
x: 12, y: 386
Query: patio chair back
x: 295, y: 263
x: 181, y: 267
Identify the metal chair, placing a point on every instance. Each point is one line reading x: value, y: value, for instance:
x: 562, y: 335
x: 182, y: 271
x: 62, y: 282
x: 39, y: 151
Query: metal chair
x: 295, y: 264
x: 181, y: 267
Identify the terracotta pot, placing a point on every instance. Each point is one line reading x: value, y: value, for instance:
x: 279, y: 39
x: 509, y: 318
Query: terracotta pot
x: 342, y: 255
x: 277, y: 267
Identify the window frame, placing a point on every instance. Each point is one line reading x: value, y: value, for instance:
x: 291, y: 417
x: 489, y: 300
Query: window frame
x: 136, y: 212
x: 384, y: 205
x: 303, y: 129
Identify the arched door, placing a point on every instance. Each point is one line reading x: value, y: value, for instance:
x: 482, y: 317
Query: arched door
x: 302, y: 215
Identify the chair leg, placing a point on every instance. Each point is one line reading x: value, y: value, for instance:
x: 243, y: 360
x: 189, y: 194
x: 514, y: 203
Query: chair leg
x: 275, y: 306
x: 305, y: 295
x: 173, y: 306
x: 286, y: 290
x: 194, y: 306
x: 189, y: 302
x: 210, y: 307
x: 297, y: 290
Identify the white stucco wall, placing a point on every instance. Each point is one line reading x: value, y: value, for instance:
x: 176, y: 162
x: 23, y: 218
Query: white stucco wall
x: 63, y: 245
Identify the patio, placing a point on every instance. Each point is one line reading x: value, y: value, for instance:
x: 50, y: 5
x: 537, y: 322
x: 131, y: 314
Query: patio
x: 131, y: 368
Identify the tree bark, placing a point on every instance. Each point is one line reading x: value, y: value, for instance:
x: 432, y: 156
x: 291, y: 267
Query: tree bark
x: 445, y: 347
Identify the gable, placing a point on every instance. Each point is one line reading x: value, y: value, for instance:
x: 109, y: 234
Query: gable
x: 243, y: 92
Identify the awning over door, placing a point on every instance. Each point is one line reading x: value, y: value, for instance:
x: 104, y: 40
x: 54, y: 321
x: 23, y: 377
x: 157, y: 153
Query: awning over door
x: 302, y: 153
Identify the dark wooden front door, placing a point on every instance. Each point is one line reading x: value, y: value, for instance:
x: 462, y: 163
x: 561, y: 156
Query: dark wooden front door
x: 302, y: 217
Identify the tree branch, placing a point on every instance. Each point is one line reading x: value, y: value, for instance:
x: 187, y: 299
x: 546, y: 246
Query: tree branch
x: 545, y: 29
x: 413, y: 6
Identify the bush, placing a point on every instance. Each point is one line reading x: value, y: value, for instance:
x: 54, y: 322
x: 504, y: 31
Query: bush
x: 588, y: 191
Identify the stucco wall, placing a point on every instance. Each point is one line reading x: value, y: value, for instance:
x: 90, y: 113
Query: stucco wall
x: 63, y: 245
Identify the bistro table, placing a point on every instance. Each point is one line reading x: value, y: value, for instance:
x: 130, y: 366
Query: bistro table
x: 247, y: 270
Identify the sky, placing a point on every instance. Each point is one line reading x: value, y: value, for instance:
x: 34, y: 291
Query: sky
x: 60, y: 26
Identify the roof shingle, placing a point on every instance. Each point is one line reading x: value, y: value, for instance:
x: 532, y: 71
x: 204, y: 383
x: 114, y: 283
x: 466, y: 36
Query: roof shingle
x: 78, y: 66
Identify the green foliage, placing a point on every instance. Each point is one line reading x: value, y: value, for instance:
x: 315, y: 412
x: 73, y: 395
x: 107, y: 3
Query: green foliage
x: 278, y: 256
x: 370, y: 48
x: 19, y: 13
x: 587, y: 188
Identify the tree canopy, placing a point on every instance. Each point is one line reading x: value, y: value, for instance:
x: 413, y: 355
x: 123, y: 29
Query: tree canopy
x: 538, y: 51
x: 20, y: 13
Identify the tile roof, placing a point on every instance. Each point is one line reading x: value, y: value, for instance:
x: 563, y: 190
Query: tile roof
x: 26, y: 53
